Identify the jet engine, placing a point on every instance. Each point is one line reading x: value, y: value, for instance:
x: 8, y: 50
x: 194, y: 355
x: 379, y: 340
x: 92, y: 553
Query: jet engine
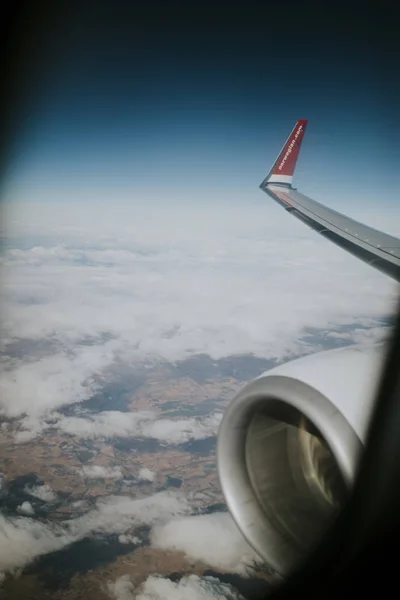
x: 289, y: 446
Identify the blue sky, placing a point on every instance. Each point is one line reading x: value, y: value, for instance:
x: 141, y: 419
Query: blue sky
x: 133, y: 102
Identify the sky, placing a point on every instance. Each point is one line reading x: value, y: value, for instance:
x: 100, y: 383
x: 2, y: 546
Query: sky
x: 154, y: 101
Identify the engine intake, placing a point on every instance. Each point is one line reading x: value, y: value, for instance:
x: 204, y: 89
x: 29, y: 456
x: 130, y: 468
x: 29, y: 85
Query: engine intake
x: 287, y: 458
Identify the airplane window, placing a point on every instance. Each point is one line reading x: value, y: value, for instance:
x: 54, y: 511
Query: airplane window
x: 187, y: 370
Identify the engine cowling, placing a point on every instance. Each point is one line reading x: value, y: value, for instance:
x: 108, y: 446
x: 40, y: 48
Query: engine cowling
x: 289, y: 446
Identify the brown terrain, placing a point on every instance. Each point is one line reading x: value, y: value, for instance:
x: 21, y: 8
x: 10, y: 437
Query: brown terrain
x: 57, y: 459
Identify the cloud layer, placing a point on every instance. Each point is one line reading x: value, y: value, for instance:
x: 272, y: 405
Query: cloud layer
x: 193, y: 587
x: 43, y: 492
x: 109, y: 424
x: 22, y: 539
x: 121, y: 589
x: 213, y: 539
x: 26, y: 508
x: 146, y: 475
x: 159, y: 588
x: 95, y: 471
x: 86, y: 287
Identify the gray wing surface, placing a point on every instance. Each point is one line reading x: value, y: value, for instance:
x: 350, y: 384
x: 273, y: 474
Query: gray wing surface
x: 378, y: 249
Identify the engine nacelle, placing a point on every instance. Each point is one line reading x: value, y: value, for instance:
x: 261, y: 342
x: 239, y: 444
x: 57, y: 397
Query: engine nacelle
x: 289, y: 446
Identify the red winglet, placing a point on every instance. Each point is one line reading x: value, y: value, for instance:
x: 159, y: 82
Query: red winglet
x: 284, y: 166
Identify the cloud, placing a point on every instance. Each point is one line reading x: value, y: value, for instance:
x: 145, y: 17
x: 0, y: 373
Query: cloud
x: 105, y: 424
x: 92, y: 286
x: 86, y: 287
x: 182, y: 430
x: 33, y: 429
x: 118, y: 514
x: 22, y: 539
x: 362, y: 335
x: 213, y: 539
x: 159, y: 588
x: 26, y: 508
x: 37, y: 387
x: 121, y: 589
x: 193, y: 587
x: 146, y: 475
x: 220, y: 283
x: 43, y: 492
x: 95, y: 471
x: 128, y: 539
x: 109, y: 424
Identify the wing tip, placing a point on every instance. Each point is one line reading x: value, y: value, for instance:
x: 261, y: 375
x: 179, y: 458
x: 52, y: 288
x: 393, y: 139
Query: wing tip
x: 282, y: 170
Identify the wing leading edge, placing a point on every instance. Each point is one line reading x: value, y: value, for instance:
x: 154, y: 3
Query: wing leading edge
x: 378, y: 249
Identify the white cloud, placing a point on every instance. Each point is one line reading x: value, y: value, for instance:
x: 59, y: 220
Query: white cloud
x: 138, y: 424
x: 213, y: 539
x: 146, y: 475
x: 121, y: 589
x: 182, y: 430
x: 39, y: 386
x: 95, y: 471
x: 43, y: 492
x: 108, y: 424
x: 23, y: 539
x: 362, y: 336
x: 233, y: 290
x: 105, y: 424
x: 34, y: 428
x: 26, y: 508
x: 118, y: 514
x: 193, y: 587
x: 165, y: 282
x: 128, y: 539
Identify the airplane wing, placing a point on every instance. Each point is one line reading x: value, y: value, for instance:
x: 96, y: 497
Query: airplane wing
x: 378, y: 249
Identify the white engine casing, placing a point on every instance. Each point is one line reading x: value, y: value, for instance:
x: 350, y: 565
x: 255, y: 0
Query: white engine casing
x: 258, y: 452
x: 347, y: 376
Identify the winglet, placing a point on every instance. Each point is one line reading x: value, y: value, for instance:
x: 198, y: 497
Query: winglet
x: 283, y: 168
